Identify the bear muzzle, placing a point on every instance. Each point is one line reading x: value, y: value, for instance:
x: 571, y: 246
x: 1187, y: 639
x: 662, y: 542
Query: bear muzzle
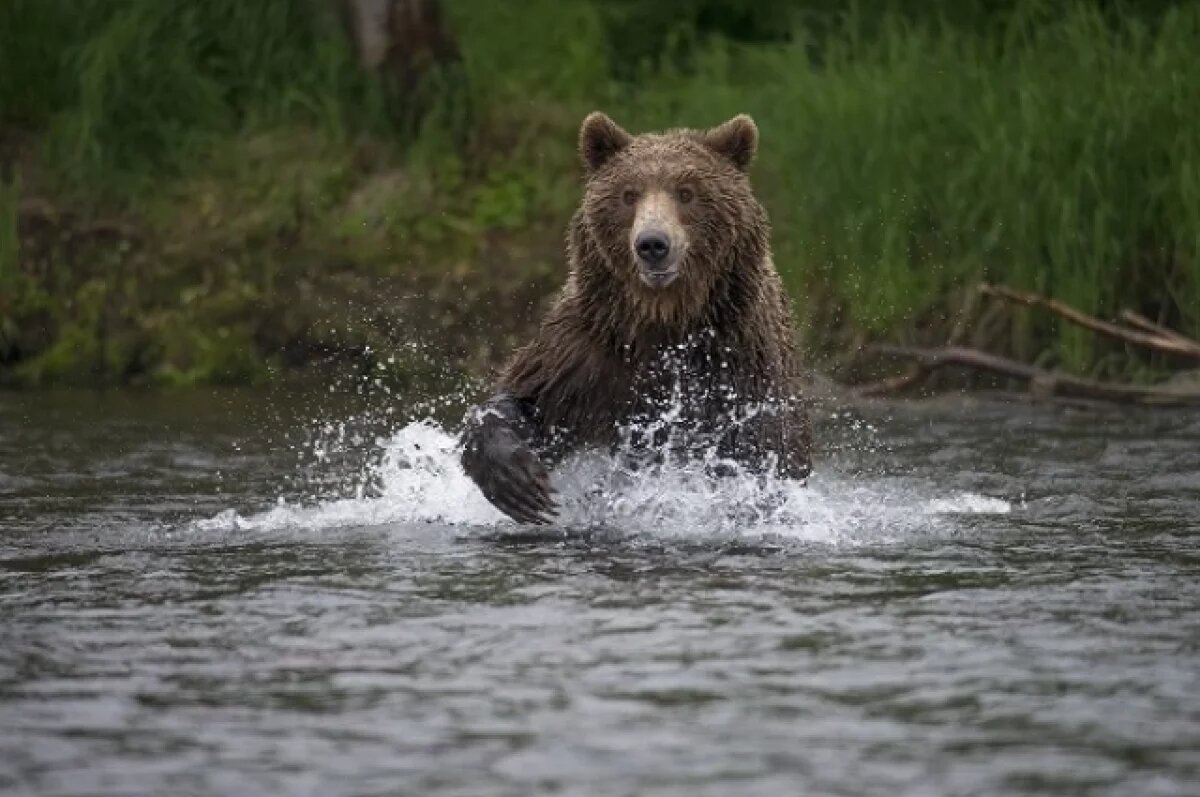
x: 658, y: 268
x: 658, y: 265
x: 656, y: 242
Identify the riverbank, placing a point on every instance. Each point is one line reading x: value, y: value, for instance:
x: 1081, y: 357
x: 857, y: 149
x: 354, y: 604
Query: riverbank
x: 188, y: 201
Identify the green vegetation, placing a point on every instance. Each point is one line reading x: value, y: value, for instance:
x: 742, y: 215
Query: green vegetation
x: 200, y: 192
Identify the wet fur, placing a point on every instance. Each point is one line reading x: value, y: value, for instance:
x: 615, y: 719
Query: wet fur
x: 715, y: 346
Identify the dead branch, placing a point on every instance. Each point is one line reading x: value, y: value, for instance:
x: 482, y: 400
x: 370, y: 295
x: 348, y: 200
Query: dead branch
x: 915, y: 374
x: 1158, y: 342
x: 963, y: 318
x: 1042, y: 383
x: 1140, y: 321
x: 892, y: 384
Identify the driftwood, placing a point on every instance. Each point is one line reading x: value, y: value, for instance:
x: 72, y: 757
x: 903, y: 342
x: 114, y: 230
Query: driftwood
x: 893, y: 384
x: 1137, y: 320
x: 915, y: 373
x: 1172, y: 343
x: 1043, y: 384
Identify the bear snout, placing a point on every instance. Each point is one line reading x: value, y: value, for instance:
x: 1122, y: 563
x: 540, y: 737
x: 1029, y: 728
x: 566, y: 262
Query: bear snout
x: 652, y: 247
x: 657, y: 240
x: 657, y: 259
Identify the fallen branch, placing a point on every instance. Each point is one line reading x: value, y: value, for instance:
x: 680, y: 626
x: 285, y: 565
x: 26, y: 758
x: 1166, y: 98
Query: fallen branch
x: 893, y: 384
x: 915, y: 373
x: 1042, y: 383
x: 1140, y: 321
x: 1173, y: 344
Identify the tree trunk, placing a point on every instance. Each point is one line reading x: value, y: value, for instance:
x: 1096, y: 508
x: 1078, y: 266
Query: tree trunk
x: 401, y: 39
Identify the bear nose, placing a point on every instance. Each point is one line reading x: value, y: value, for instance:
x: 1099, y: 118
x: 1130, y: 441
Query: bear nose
x: 652, y: 246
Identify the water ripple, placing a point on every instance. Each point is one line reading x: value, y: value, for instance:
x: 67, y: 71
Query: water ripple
x: 966, y: 599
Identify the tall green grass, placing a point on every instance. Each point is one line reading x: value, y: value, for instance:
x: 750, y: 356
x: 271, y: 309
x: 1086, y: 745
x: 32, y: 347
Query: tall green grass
x: 1048, y: 146
x: 1057, y: 154
x: 905, y: 153
x: 133, y: 88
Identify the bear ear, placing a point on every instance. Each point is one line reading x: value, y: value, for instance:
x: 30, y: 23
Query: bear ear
x: 599, y: 139
x: 736, y: 140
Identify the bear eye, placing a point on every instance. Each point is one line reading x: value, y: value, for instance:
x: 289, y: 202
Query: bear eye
x: 630, y: 197
x: 685, y: 194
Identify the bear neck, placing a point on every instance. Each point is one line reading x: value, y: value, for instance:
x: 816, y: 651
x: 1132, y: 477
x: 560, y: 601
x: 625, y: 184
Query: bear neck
x: 629, y: 323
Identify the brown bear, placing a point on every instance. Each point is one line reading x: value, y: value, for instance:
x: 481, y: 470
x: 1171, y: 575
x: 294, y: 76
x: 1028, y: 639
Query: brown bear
x: 672, y: 334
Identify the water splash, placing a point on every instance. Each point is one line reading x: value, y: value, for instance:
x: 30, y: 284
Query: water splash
x: 418, y: 479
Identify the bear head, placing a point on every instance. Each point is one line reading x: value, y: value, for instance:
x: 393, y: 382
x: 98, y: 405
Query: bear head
x: 671, y: 215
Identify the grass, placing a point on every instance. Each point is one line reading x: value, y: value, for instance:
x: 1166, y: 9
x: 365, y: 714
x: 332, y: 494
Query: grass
x: 1056, y: 155
x: 286, y: 211
x: 131, y: 90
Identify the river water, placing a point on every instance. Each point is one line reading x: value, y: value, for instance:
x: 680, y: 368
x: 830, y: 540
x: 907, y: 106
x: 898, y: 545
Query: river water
x: 249, y: 593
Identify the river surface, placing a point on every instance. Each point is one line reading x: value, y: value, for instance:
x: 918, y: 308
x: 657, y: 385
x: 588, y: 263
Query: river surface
x: 255, y: 593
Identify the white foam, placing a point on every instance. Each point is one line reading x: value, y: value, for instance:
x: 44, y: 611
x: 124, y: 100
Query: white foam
x: 969, y: 504
x: 418, y: 479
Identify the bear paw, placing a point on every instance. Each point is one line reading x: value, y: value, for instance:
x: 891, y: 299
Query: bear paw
x: 510, y: 475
